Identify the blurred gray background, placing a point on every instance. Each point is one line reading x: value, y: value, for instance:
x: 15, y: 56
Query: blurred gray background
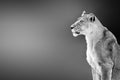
x: 36, y: 42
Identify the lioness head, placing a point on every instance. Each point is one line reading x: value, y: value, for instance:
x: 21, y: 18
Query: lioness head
x: 86, y: 24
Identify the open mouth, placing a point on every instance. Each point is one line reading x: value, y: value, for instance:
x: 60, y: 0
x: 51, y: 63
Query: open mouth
x: 75, y: 33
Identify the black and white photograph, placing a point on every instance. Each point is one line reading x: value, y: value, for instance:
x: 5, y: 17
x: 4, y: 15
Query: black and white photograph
x: 59, y: 40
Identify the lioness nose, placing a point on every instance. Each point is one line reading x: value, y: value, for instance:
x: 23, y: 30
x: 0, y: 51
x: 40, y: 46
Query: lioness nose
x: 72, y: 27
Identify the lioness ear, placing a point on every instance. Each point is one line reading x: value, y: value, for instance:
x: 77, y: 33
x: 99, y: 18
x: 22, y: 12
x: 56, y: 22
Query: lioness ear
x: 92, y: 19
x: 83, y: 13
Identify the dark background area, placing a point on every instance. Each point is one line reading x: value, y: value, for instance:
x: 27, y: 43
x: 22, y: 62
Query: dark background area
x: 36, y: 42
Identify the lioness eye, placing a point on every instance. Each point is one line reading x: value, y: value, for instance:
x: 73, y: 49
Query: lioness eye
x: 81, y: 21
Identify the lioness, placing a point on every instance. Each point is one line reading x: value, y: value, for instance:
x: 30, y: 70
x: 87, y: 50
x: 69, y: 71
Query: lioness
x: 103, y: 51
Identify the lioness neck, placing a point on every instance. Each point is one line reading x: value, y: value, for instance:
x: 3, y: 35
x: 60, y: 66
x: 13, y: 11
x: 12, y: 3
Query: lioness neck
x: 92, y: 39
